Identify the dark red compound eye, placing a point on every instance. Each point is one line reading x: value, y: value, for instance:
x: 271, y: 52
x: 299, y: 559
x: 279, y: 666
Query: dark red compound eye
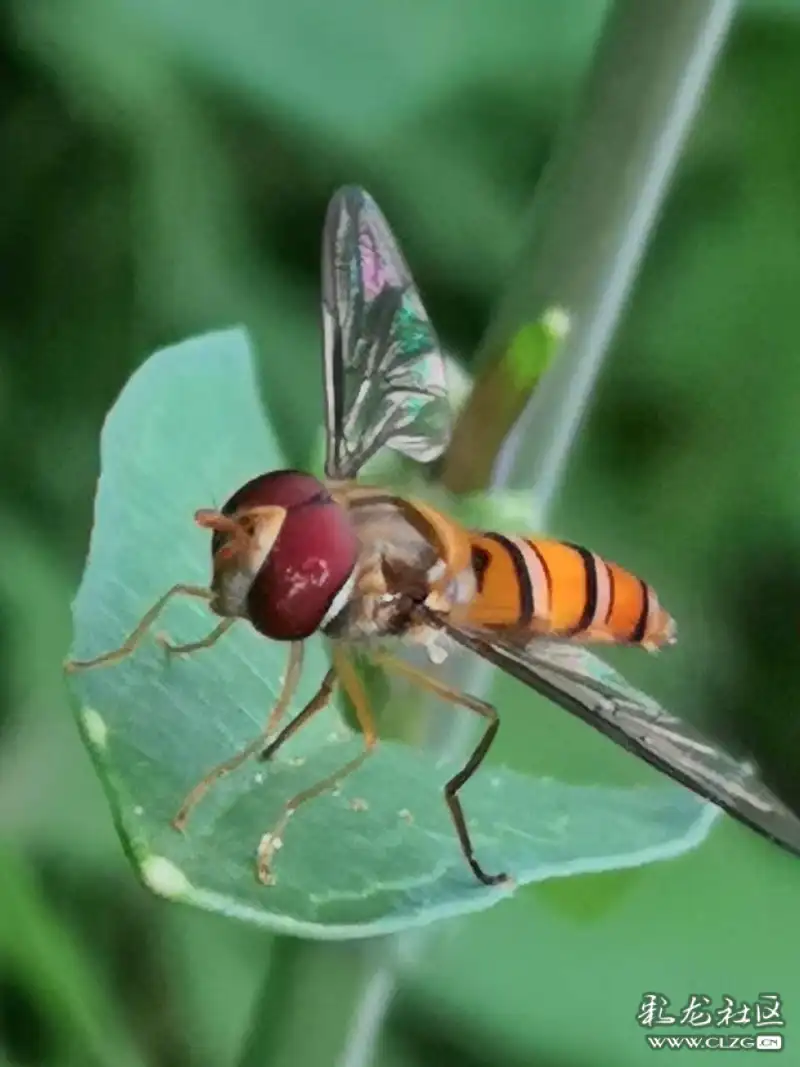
x: 287, y: 489
x: 312, y: 559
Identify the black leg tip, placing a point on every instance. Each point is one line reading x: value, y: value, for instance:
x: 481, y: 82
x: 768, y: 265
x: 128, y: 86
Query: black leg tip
x: 489, y: 879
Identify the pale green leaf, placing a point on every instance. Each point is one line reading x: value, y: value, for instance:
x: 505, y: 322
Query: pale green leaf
x: 379, y: 856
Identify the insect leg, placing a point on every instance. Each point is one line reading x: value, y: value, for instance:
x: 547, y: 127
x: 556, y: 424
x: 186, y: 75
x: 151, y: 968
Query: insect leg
x: 132, y: 641
x: 317, y: 703
x: 290, y: 680
x: 222, y: 769
x: 451, y: 789
x: 195, y: 646
x: 345, y: 673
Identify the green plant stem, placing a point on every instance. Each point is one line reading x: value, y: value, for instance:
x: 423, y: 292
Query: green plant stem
x: 321, y: 1003
x: 593, y: 214
x: 605, y: 191
x: 591, y: 219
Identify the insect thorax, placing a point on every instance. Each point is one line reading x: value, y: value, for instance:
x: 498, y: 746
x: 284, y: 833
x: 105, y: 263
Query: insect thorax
x: 392, y: 581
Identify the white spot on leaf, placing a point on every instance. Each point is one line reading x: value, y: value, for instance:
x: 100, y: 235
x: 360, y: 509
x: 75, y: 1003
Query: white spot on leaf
x: 95, y: 727
x: 164, y: 878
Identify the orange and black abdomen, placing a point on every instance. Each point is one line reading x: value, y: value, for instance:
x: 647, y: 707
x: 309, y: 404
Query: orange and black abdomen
x: 562, y: 590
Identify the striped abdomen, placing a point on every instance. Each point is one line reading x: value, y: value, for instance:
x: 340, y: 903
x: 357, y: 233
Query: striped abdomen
x: 563, y: 590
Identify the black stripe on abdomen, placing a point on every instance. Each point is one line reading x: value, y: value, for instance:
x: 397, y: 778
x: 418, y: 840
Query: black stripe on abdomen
x: 590, y: 594
x: 611, y: 592
x: 548, y: 577
x: 480, y: 563
x: 523, y: 577
x: 639, y: 630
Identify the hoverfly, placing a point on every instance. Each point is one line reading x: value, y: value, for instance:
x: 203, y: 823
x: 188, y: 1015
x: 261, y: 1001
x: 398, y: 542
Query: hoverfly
x: 370, y: 569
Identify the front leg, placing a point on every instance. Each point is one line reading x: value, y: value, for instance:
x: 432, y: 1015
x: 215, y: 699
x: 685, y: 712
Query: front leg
x: 343, y: 672
x: 288, y: 688
x: 133, y: 640
x: 195, y: 646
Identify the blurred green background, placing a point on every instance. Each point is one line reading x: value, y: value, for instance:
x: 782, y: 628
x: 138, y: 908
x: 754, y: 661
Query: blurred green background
x: 165, y: 170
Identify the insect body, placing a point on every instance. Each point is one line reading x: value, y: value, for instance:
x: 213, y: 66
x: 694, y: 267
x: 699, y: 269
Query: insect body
x: 370, y: 569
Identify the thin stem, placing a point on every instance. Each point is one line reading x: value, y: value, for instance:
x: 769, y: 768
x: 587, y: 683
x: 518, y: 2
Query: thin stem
x: 591, y: 220
x: 602, y: 196
x: 321, y: 1004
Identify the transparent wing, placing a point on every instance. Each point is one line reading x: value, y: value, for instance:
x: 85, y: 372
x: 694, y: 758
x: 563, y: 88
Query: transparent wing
x: 384, y: 373
x: 583, y: 684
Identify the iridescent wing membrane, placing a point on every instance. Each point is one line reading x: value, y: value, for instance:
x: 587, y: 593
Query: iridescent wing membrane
x: 582, y: 683
x: 385, y: 380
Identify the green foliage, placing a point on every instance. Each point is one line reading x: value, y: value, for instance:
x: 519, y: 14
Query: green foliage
x: 382, y: 854
x: 38, y: 947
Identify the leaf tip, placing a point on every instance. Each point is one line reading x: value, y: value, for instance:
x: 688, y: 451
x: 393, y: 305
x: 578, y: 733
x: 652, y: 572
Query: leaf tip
x: 164, y: 878
x: 95, y: 727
